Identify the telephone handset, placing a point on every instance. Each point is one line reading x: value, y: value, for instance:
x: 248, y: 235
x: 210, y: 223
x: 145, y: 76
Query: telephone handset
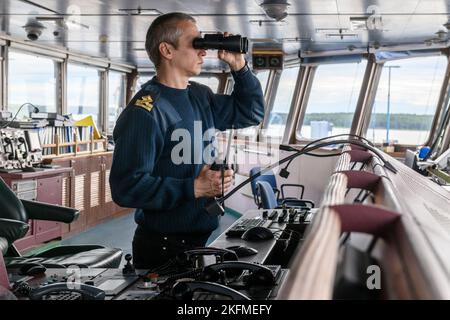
x: 221, y: 254
x: 258, y: 274
x: 184, y: 290
x: 61, y: 291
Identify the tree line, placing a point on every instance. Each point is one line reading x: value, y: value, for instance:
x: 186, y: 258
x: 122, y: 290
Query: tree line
x: 400, y: 121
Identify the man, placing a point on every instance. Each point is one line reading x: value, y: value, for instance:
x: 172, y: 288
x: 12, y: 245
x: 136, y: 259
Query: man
x: 147, y: 173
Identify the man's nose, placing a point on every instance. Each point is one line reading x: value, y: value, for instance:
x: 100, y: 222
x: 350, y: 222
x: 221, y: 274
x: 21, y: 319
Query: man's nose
x: 202, y: 52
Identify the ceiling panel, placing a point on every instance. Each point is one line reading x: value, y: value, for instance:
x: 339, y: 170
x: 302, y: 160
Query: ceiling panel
x: 114, y: 29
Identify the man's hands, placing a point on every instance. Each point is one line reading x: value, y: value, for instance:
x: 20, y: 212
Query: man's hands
x: 234, y: 59
x: 209, y: 182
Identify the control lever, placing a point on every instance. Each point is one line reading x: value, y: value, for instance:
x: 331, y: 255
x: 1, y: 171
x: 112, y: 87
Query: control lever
x: 282, y: 215
x: 273, y: 215
x: 129, y: 267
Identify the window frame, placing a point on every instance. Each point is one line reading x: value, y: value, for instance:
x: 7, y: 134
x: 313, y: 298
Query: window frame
x: 443, y: 98
x: 107, y: 88
x: 3, y: 87
x: 208, y: 75
x: 101, y: 89
x: 304, y: 101
x: 57, y: 62
x: 267, y: 91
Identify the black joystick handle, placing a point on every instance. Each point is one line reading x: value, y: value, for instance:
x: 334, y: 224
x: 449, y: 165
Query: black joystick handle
x: 128, y: 268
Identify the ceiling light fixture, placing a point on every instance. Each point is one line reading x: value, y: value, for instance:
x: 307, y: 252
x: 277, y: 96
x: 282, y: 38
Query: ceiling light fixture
x: 275, y: 9
x: 34, y: 29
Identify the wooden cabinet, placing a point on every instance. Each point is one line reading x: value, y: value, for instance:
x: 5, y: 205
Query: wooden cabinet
x: 82, y: 182
x: 49, y: 190
x: 43, y: 186
x: 87, y: 189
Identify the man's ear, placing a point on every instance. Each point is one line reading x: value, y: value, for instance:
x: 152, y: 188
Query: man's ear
x: 166, y: 50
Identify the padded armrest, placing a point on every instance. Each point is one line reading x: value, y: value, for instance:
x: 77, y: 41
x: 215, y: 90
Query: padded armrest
x: 12, y: 230
x: 277, y: 193
x: 50, y: 212
x: 65, y: 250
x: 302, y: 187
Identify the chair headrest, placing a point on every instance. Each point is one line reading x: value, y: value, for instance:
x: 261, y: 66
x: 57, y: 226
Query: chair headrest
x: 268, y: 198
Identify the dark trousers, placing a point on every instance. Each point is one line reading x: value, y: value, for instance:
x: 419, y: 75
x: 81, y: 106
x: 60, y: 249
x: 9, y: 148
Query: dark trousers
x: 151, y: 250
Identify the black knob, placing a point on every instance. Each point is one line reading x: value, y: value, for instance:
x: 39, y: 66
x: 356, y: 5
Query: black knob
x: 10, y: 156
x: 21, y: 140
x: 128, y: 267
x: 7, y: 140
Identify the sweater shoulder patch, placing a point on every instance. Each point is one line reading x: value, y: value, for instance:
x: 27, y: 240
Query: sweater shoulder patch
x: 145, y: 102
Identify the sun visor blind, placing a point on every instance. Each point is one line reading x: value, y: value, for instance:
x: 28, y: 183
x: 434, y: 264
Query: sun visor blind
x: 55, y: 55
x: 121, y: 68
x: 354, y: 58
x: 91, y: 62
x: 384, y: 56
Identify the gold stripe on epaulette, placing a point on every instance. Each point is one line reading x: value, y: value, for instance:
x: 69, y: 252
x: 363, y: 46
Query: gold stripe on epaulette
x: 145, y: 102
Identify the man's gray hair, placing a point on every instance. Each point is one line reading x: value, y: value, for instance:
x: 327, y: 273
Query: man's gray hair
x: 164, y: 29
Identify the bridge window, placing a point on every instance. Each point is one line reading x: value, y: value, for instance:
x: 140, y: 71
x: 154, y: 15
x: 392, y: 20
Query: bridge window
x: 250, y: 132
x: 210, y: 81
x: 116, y: 98
x: 31, y: 79
x: 405, y: 115
x: 83, y: 92
x: 278, y: 115
x: 142, y: 79
x: 332, y: 101
x: 263, y: 76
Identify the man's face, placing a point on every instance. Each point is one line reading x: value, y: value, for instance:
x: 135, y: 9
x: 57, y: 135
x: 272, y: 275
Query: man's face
x: 185, y: 58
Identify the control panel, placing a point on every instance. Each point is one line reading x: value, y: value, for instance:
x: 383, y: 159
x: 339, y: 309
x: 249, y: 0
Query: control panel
x: 19, y: 149
x: 230, y: 279
x: 294, y: 218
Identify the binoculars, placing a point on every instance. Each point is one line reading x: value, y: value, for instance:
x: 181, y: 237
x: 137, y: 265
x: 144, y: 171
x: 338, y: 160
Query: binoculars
x: 219, y: 42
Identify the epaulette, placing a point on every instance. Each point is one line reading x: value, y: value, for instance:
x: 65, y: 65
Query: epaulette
x: 149, y: 97
x: 145, y: 102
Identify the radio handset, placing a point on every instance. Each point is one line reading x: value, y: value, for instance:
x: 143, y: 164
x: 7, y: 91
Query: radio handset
x: 67, y: 291
x: 184, y: 290
x: 221, y: 255
x: 213, y: 206
x: 259, y: 274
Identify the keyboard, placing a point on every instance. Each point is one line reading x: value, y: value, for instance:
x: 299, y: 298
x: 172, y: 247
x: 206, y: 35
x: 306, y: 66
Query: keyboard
x: 243, y: 225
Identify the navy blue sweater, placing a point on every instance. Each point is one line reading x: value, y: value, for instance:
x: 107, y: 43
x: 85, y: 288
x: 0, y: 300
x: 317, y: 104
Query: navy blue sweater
x: 143, y: 173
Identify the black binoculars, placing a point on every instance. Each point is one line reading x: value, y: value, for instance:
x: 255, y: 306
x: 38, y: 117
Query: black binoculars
x: 219, y: 42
